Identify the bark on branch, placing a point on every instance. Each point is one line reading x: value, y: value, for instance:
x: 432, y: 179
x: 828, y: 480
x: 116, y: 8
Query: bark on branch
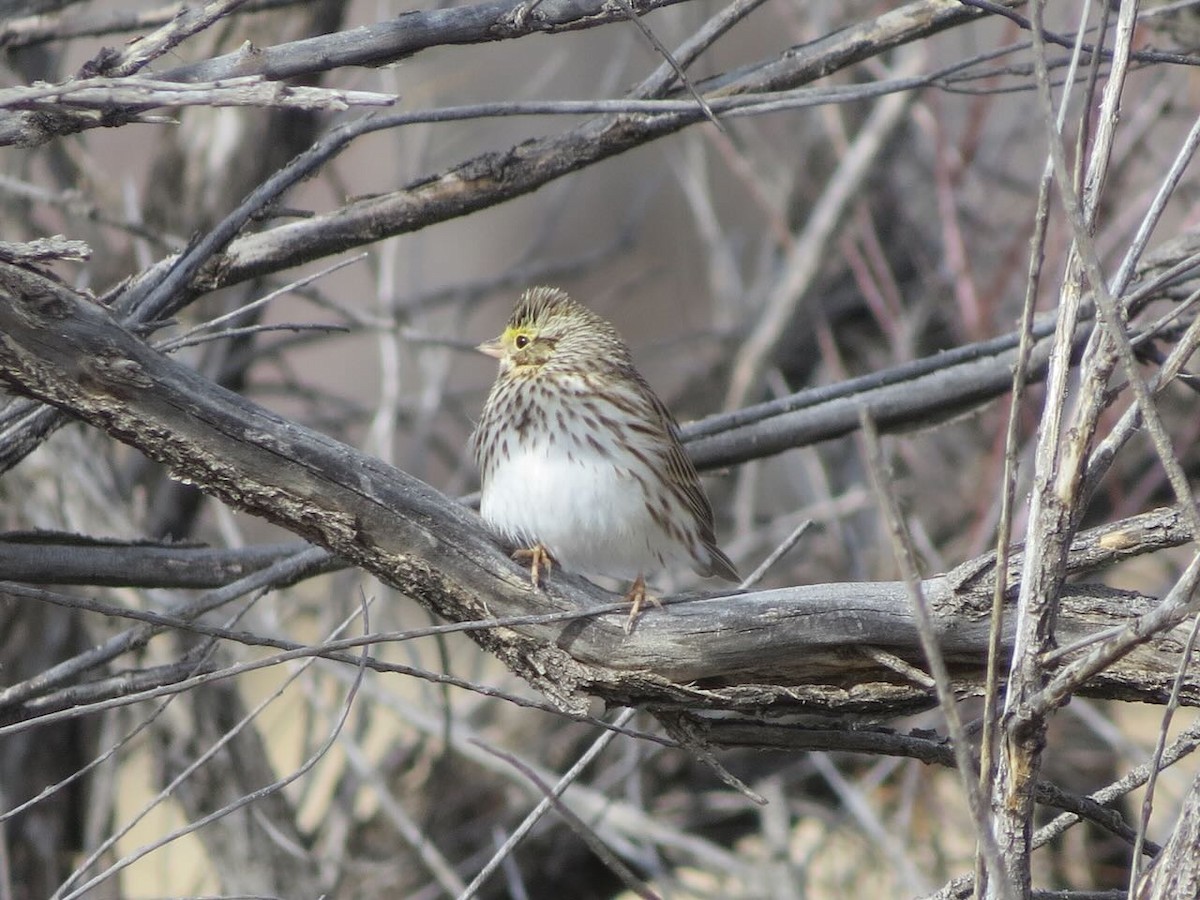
x: 813, y: 647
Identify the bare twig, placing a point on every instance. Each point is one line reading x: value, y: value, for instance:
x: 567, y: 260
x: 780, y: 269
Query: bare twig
x: 130, y: 858
x: 550, y: 800
x: 804, y: 258
x: 134, y: 95
x: 998, y: 875
x: 147, y: 48
x: 1157, y: 757
x: 577, y: 825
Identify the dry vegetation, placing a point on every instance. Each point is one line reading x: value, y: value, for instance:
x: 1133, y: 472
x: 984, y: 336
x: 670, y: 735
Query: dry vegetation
x: 251, y: 646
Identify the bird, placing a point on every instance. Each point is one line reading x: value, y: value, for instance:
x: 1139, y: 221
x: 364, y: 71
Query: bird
x: 580, y: 462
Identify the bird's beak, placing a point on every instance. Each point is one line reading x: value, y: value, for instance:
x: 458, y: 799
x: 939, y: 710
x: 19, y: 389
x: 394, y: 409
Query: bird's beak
x: 492, y: 348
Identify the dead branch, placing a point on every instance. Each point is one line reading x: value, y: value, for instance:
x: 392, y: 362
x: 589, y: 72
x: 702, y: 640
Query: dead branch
x: 794, y: 648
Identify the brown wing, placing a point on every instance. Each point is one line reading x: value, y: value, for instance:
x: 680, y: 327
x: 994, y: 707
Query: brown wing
x: 684, y: 478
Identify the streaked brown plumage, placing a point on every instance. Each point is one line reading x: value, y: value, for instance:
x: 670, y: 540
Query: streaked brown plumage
x: 579, y: 458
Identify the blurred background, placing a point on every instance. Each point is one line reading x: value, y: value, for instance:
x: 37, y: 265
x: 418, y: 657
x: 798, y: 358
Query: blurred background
x: 688, y: 245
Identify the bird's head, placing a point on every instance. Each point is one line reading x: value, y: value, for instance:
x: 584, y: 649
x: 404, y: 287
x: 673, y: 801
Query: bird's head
x: 547, y: 325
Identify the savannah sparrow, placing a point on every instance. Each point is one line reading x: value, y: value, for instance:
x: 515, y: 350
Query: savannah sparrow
x: 581, y: 463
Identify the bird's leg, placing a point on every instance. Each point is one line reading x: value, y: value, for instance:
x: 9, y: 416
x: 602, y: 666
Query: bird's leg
x: 636, y: 596
x: 538, y: 558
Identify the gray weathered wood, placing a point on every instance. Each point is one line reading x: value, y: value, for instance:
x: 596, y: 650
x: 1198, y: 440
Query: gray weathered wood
x: 799, y: 648
x: 1175, y: 873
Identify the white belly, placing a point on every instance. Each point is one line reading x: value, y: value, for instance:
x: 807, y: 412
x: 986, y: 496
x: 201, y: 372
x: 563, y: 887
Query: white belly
x: 591, y: 515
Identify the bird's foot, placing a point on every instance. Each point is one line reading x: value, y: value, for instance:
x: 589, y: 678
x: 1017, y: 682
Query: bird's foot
x: 538, y: 558
x: 636, y: 596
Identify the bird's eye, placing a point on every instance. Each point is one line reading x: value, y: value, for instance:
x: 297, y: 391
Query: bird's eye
x: 522, y: 341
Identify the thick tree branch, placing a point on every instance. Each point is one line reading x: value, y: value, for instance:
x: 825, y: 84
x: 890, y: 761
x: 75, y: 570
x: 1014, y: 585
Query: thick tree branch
x: 494, y: 177
x: 791, y: 648
x: 41, y: 558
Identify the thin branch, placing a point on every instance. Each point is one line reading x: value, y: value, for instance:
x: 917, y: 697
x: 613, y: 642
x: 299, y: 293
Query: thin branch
x: 803, y: 260
x: 136, y: 95
x: 146, y: 48
x: 246, y: 800
x: 576, y: 824
x: 550, y: 799
x: 999, y: 878
x: 1157, y: 756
